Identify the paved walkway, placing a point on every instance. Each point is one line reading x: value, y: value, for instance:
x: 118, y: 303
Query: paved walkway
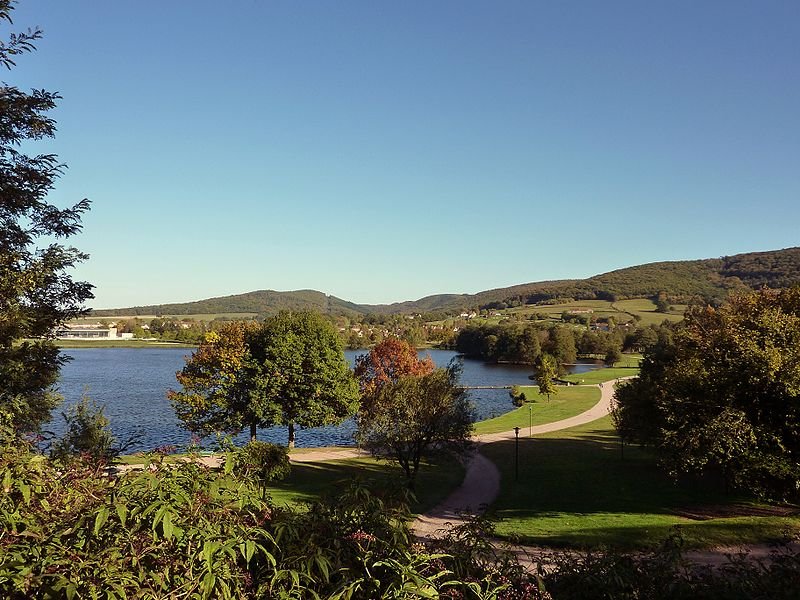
x: 324, y: 454
x: 215, y: 461
x: 482, y: 480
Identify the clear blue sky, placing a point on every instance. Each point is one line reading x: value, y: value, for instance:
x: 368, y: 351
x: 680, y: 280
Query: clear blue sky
x: 384, y: 151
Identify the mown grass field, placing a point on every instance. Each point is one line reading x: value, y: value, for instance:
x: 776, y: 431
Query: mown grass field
x: 646, y: 310
x: 575, y: 489
x: 568, y: 402
x: 629, y: 360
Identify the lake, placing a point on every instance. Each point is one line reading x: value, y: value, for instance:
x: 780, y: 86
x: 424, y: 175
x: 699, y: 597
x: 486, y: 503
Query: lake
x: 132, y: 383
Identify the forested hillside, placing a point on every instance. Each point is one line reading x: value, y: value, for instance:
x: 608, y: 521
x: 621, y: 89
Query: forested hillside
x: 680, y: 281
x: 264, y: 302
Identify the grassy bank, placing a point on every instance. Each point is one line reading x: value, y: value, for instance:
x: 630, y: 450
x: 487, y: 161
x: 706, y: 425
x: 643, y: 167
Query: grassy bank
x: 601, y: 375
x: 575, y: 489
x: 120, y: 344
x: 568, y: 402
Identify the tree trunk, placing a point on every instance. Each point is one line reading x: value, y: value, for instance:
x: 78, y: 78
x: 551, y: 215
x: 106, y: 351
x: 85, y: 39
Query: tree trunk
x: 291, y: 435
x: 253, y: 431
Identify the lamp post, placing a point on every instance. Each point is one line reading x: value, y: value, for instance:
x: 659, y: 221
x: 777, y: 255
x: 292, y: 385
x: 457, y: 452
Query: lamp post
x: 530, y: 420
x: 516, y: 453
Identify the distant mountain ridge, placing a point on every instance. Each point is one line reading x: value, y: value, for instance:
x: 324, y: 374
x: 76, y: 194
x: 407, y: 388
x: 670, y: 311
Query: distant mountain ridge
x: 680, y: 280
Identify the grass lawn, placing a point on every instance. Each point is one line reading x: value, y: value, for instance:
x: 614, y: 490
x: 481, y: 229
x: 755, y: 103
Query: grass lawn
x: 576, y: 490
x: 308, y: 481
x: 599, y: 308
x: 601, y: 375
x: 568, y: 402
x: 622, y: 310
x: 631, y: 360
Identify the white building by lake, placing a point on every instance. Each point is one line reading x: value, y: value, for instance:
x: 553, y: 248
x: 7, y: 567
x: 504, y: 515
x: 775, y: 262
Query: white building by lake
x: 87, y: 332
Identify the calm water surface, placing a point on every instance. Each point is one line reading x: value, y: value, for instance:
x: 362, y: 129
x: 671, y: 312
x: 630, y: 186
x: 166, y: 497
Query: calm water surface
x: 132, y: 384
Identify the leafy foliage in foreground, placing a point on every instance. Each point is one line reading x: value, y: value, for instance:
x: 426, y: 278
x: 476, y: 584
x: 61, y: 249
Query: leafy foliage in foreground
x: 666, y: 574
x: 183, y: 531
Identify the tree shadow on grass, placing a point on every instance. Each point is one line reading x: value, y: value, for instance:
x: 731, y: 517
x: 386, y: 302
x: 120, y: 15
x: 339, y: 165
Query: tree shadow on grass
x: 589, y: 474
x: 309, y: 481
x: 651, y: 535
x: 580, y: 491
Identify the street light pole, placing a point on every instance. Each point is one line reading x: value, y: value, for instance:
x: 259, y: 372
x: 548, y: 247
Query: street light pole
x: 530, y: 420
x: 516, y: 453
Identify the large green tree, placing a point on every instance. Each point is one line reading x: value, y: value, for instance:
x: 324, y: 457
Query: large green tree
x: 288, y: 370
x: 546, y: 372
x: 37, y: 293
x: 302, y: 370
x: 724, y: 393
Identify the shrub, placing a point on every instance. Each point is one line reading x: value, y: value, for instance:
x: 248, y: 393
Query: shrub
x: 263, y: 461
x: 87, y: 434
x: 517, y: 395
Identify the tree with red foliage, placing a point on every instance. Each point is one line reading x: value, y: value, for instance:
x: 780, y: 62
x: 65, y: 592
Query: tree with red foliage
x: 409, y: 408
x: 386, y: 363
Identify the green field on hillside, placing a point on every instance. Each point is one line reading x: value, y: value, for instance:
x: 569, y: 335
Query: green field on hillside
x: 622, y: 311
x: 646, y: 310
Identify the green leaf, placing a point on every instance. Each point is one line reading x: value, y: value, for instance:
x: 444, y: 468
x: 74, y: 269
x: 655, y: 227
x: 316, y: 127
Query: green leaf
x: 247, y: 548
x: 100, y: 519
x: 166, y: 525
x: 207, y: 584
x: 26, y: 492
x: 70, y: 591
x: 208, y: 552
x: 122, y: 513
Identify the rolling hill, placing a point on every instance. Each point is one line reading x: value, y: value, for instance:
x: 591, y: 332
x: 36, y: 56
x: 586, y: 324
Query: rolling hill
x: 680, y: 280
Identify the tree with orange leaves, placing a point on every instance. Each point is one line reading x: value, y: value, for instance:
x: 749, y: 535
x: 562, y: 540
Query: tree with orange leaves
x: 219, y: 393
x: 386, y: 363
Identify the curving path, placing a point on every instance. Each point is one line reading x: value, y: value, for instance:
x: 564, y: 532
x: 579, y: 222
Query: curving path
x: 482, y: 480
